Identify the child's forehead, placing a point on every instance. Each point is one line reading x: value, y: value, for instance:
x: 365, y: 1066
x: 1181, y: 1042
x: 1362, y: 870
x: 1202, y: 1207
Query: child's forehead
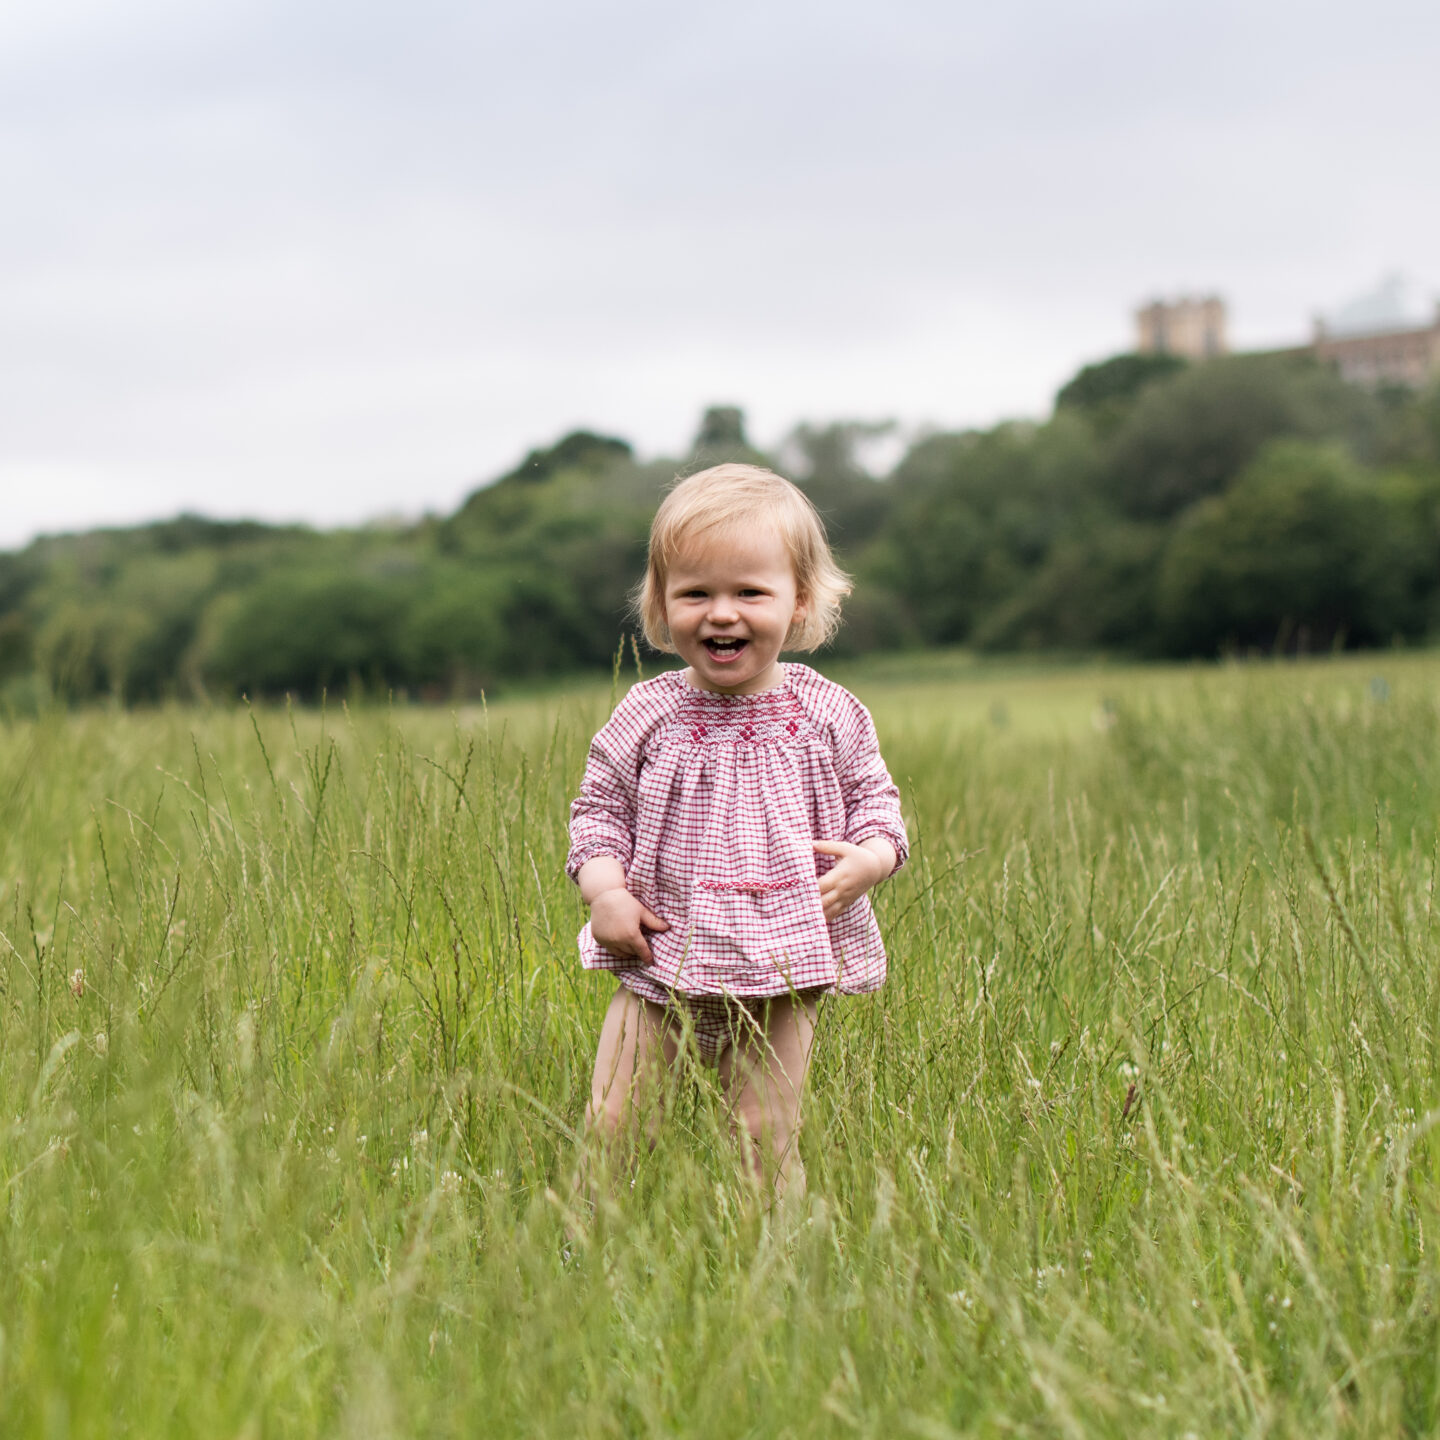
x: 734, y: 546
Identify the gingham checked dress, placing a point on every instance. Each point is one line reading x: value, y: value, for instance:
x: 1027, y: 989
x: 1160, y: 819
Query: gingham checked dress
x: 711, y: 803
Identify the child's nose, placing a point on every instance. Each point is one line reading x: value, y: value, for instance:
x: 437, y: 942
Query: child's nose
x: 722, y: 609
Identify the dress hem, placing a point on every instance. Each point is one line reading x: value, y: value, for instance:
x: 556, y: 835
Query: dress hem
x: 639, y: 980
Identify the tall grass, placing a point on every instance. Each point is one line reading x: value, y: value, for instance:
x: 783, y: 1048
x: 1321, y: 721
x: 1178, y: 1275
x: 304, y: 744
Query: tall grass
x: 1139, y: 1138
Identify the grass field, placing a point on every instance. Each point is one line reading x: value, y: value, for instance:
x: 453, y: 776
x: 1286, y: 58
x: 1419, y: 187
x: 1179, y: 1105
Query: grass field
x: 1138, y: 1140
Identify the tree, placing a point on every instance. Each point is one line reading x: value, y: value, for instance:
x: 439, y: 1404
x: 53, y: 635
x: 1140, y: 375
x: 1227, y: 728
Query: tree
x: 1096, y: 588
x: 1189, y: 437
x: 1106, y: 392
x: 722, y: 437
x: 1305, y: 551
x: 579, y: 450
x: 451, y: 637
x: 825, y: 462
x: 302, y: 632
x: 975, y: 514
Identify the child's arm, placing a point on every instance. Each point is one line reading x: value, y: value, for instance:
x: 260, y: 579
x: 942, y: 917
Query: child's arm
x: 872, y: 799
x: 875, y: 844
x: 602, y: 833
x: 618, y: 921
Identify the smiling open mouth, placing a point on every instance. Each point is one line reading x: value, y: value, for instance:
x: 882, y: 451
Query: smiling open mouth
x: 724, y: 649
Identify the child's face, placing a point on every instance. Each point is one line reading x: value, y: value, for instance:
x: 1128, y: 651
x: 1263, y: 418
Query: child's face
x: 730, y: 600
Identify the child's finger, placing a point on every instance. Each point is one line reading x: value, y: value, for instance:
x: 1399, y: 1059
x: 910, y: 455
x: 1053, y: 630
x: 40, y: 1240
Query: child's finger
x: 832, y: 847
x: 651, y: 921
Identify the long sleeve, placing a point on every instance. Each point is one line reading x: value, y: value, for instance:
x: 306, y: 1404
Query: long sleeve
x: 872, y: 799
x: 602, y: 816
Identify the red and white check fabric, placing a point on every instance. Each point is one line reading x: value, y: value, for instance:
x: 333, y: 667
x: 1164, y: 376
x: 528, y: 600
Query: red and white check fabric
x: 711, y: 803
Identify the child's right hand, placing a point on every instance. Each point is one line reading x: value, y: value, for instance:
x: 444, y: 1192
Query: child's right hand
x: 618, y: 921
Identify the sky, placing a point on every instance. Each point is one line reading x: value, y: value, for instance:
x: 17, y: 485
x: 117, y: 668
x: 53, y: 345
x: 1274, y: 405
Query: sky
x: 332, y: 263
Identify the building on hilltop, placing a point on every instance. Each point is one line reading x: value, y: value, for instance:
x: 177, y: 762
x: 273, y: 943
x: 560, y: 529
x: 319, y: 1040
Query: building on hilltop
x: 1189, y: 326
x: 1381, y: 338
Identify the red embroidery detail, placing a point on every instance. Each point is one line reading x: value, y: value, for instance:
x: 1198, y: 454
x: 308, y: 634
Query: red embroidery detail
x: 710, y: 719
x: 759, y: 887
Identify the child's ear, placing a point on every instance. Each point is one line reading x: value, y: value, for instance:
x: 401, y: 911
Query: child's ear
x: 797, y: 617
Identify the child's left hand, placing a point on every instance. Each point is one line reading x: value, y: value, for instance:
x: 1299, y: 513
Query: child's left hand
x: 857, y: 869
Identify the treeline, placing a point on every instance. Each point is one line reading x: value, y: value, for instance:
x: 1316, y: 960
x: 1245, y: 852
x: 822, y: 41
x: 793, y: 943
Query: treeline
x: 1254, y: 502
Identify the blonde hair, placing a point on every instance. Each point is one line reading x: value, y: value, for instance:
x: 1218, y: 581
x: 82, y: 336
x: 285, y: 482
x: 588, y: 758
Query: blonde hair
x: 727, y: 498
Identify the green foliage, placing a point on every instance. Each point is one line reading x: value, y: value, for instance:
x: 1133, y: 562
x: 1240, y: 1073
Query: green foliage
x: 16, y: 645
x: 69, y: 652
x: 1408, y: 432
x: 722, y: 437
x: 565, y: 556
x: 1132, y: 520
x: 1303, y: 550
x: 580, y: 450
x: 1190, y: 438
x: 452, y: 636
x: 1136, y: 1140
x: 1093, y: 591
x: 976, y: 514
x: 1106, y: 391
x: 306, y: 633
x: 826, y: 464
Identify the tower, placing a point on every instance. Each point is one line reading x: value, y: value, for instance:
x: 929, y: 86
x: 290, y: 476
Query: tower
x: 1190, y: 326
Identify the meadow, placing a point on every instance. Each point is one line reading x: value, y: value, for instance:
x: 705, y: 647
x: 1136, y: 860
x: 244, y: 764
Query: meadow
x: 1139, y: 1139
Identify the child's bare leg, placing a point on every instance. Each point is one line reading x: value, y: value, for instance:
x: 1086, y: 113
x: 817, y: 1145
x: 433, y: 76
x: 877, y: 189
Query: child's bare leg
x: 635, y: 1041
x: 764, y: 1072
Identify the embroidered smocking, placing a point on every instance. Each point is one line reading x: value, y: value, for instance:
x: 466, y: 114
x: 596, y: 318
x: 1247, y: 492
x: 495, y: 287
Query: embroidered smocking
x: 773, y: 717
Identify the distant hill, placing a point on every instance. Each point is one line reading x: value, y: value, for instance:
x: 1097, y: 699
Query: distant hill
x: 1246, y: 502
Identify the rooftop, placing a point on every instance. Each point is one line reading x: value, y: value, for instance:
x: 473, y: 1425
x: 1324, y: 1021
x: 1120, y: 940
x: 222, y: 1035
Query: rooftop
x: 1397, y: 303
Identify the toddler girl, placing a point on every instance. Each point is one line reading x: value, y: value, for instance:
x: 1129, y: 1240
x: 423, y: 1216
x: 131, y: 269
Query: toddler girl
x: 733, y: 815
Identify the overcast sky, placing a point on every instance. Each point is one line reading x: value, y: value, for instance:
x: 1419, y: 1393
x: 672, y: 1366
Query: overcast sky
x: 332, y: 261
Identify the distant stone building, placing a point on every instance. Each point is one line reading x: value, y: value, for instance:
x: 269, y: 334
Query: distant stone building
x: 1191, y: 327
x: 1394, y: 357
x: 1381, y: 338
x: 1370, y: 351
